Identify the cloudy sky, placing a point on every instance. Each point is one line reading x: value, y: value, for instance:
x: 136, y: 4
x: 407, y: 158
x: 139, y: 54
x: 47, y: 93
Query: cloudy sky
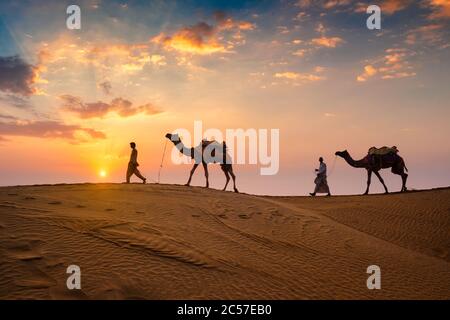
x: 72, y: 100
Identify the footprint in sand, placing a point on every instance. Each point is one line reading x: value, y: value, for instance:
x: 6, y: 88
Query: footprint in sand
x: 29, y: 198
x: 38, y: 282
x: 195, y: 215
x: 441, y: 252
x: 110, y: 209
x: 223, y: 216
x: 79, y: 206
x: 55, y: 202
x: 24, y: 250
x: 244, y: 216
x: 12, y: 194
x: 29, y: 252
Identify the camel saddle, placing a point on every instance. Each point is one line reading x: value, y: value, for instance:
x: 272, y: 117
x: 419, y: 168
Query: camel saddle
x: 382, y: 151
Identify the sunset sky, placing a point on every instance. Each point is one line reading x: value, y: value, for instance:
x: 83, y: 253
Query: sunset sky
x: 72, y: 100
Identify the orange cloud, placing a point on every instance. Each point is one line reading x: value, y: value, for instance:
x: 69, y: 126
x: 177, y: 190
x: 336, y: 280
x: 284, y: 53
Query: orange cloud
x: 297, y: 78
x: 388, y: 7
x: 329, y: 42
x: 393, y: 65
x: 441, y: 9
x: 393, y: 6
x: 299, y: 52
x: 203, y: 38
x: 200, y: 39
x: 335, y: 3
x: 369, y: 71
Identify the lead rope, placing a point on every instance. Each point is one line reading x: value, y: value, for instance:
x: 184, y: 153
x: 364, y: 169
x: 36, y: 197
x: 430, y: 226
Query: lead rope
x: 332, y: 166
x: 162, y: 160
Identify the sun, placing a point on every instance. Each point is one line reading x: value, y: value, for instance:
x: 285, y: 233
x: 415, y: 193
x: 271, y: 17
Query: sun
x: 102, y: 173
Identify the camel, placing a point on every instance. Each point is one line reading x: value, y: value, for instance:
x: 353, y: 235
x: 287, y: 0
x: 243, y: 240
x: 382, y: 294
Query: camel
x: 391, y: 160
x: 204, y: 154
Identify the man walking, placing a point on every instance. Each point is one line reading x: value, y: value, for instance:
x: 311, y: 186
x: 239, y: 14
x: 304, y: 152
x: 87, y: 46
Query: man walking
x: 133, y: 164
x: 321, y: 180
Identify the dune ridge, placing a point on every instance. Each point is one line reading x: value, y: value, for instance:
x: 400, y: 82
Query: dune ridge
x: 175, y: 242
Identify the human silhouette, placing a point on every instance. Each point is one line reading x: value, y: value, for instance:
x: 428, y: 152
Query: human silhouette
x: 321, y: 180
x: 133, y: 164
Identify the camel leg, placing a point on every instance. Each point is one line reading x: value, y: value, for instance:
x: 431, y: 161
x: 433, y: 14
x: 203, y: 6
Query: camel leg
x: 234, y: 178
x: 382, y: 181
x: 369, y: 178
x: 192, y: 172
x: 399, y: 170
x: 205, y: 167
x: 227, y: 176
x: 404, y: 178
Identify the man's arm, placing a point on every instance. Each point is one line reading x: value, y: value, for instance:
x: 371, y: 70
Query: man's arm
x: 322, y: 168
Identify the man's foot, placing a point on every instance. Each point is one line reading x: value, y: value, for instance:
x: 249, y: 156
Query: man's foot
x: 144, y: 181
x: 329, y: 195
x: 312, y: 194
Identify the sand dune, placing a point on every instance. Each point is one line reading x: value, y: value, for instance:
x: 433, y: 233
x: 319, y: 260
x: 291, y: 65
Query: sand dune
x: 175, y: 242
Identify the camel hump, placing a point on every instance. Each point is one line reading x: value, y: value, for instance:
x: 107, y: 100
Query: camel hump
x: 206, y: 143
x: 383, y: 150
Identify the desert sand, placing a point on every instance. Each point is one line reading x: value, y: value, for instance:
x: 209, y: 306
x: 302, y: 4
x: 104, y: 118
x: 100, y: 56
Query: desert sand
x: 175, y: 242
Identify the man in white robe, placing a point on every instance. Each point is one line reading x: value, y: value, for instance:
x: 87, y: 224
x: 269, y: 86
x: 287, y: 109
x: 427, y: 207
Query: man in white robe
x: 321, y: 180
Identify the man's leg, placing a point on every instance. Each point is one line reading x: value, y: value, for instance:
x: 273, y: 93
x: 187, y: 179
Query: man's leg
x: 139, y: 175
x: 315, y: 190
x: 129, y: 174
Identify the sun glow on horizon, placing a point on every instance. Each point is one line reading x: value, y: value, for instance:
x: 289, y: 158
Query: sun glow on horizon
x: 102, y: 173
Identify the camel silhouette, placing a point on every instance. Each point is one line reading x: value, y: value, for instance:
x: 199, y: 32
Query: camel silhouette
x: 390, y: 160
x: 206, y: 153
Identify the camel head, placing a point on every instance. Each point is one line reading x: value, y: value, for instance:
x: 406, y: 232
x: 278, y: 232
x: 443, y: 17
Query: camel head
x: 173, y: 137
x: 341, y: 153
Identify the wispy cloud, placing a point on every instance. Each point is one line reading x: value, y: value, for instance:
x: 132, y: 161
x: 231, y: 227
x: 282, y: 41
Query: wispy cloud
x: 429, y: 34
x: 297, y: 78
x: 7, y: 117
x: 115, y: 58
x: 122, y: 107
x: 394, y: 64
x: 50, y: 129
x: 106, y: 87
x: 15, y: 101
